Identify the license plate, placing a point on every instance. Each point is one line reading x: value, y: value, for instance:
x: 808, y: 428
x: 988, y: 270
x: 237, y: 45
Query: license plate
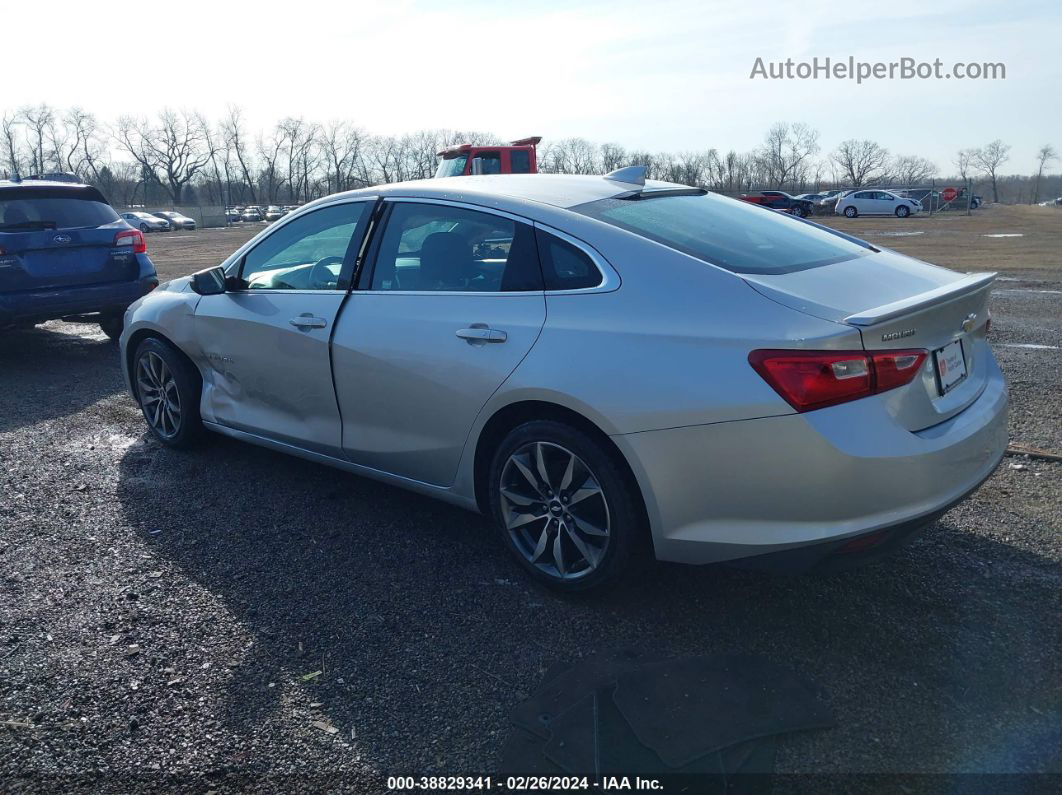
x: 951, y: 366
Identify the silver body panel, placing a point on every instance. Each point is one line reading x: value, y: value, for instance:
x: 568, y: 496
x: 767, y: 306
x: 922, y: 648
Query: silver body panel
x: 656, y: 358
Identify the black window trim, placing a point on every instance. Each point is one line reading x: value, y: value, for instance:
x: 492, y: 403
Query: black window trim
x: 351, y: 258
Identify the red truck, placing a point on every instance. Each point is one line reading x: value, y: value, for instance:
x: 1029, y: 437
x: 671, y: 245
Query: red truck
x: 517, y: 157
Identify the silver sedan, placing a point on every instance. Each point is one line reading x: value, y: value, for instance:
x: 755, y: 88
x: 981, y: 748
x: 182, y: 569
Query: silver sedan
x: 611, y: 368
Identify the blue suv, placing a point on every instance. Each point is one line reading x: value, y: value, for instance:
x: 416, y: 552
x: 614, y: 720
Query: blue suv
x: 65, y: 252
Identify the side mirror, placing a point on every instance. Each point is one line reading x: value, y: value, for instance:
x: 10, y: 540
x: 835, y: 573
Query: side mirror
x: 209, y: 282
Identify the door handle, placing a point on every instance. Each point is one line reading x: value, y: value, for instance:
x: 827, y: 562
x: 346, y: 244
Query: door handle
x: 308, y: 321
x: 480, y: 333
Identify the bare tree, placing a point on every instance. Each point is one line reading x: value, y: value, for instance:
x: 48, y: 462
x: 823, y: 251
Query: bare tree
x: 860, y: 162
x: 786, y: 152
x: 269, y: 153
x: 912, y: 170
x: 340, y: 143
x: 173, y: 151
x: 988, y: 159
x: 12, y: 148
x: 964, y: 162
x: 570, y: 156
x: 613, y: 156
x: 1044, y: 156
x: 38, y: 119
x: 233, y: 139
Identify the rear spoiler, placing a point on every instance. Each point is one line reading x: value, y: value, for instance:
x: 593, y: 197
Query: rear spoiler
x: 969, y: 284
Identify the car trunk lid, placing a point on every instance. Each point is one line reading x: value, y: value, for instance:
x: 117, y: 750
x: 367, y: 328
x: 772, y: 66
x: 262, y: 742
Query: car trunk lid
x: 56, y: 258
x: 900, y: 303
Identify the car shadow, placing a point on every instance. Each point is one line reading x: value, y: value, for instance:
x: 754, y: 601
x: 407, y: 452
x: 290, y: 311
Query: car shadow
x: 400, y: 622
x: 53, y: 371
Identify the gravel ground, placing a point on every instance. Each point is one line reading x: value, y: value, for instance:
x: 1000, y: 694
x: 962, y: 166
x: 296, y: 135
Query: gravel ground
x: 235, y: 612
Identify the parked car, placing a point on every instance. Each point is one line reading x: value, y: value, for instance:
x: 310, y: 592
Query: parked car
x: 232, y: 215
x: 177, y: 220
x: 779, y: 200
x: 274, y: 213
x: 683, y: 375
x: 146, y: 222
x: 64, y: 251
x: 876, y: 202
x: 251, y: 214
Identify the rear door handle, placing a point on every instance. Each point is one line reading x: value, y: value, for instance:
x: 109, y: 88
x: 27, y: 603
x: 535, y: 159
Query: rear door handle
x: 480, y: 333
x: 308, y: 321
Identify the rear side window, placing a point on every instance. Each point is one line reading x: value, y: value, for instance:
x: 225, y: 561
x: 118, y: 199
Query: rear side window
x: 564, y: 267
x: 438, y: 247
x: 35, y: 208
x: 734, y: 235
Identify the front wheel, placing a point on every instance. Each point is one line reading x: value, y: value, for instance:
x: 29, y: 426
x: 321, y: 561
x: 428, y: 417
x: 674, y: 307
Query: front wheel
x: 564, y: 507
x: 168, y: 388
x: 850, y: 212
x: 903, y: 211
x: 144, y: 228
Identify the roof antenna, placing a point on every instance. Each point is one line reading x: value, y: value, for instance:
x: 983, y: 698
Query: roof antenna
x: 631, y: 175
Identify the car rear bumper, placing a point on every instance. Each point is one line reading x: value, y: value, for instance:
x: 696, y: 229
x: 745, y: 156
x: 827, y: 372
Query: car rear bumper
x: 36, y: 306
x: 741, y: 489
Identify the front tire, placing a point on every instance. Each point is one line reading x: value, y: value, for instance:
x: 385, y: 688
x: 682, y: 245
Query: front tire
x: 850, y: 212
x: 564, y: 507
x: 903, y: 211
x: 144, y: 228
x: 168, y: 388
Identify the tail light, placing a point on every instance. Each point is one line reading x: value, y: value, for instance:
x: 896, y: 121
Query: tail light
x: 809, y: 380
x: 131, y: 237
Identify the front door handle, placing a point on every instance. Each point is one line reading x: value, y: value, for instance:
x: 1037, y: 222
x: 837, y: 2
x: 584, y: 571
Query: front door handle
x: 308, y: 321
x: 480, y: 333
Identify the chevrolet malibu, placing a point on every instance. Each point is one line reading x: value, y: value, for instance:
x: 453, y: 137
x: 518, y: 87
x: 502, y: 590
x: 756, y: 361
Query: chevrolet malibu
x: 610, y: 368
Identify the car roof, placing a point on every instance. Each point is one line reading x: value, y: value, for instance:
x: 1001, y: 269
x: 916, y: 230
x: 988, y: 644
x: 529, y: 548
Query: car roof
x: 42, y: 183
x: 557, y: 190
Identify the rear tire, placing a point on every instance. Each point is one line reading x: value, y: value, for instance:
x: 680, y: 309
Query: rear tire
x: 903, y: 211
x: 168, y: 388
x: 588, y: 529
x: 850, y: 212
x: 112, y: 325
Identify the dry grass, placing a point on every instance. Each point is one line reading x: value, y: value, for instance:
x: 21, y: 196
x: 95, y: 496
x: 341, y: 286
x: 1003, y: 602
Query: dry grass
x: 958, y: 241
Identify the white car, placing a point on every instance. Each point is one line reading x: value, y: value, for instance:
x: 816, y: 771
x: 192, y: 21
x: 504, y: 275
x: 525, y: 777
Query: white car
x: 146, y: 222
x: 876, y: 202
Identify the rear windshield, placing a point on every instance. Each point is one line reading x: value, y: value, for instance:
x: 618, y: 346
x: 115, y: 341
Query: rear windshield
x: 732, y: 234
x: 35, y: 208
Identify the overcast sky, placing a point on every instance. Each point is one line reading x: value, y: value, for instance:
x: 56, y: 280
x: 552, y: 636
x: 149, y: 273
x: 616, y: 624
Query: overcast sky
x: 663, y: 75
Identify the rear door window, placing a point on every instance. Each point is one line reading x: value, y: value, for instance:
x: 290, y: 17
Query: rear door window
x: 36, y: 208
x: 443, y: 248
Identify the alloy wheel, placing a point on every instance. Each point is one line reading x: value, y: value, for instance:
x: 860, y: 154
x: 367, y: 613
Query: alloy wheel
x: 159, y: 396
x: 555, y: 510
